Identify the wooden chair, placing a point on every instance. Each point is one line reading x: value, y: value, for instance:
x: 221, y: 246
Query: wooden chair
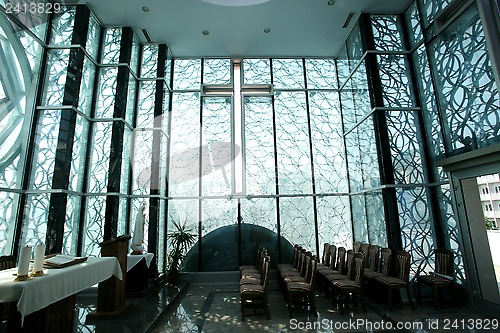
x: 296, y: 250
x: 401, y: 278
x: 6, y: 262
x: 364, y: 248
x: 304, y: 290
x: 254, y: 272
x: 356, y: 246
x: 442, y: 276
x: 258, y: 257
x: 343, y: 288
x: 325, y: 258
x: 255, y: 295
x: 372, y: 258
x: 323, y: 270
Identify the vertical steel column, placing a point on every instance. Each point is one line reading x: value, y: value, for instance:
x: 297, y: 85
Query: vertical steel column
x: 116, y: 150
x: 66, y: 136
x: 381, y: 137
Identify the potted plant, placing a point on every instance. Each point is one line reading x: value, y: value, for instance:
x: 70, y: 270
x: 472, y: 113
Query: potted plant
x: 181, y: 238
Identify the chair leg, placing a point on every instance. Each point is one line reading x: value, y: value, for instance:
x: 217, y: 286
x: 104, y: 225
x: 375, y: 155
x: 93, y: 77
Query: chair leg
x: 389, y: 297
x: 242, y: 309
x: 289, y: 305
x: 341, y: 302
x: 410, y: 297
x: 312, y: 301
x: 266, y: 307
x: 363, y: 300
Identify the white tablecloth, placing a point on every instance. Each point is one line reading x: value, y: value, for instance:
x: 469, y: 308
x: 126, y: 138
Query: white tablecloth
x: 134, y: 259
x: 36, y: 293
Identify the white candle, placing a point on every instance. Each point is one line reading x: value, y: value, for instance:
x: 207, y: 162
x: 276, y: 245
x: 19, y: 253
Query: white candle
x: 23, y: 264
x: 39, y: 256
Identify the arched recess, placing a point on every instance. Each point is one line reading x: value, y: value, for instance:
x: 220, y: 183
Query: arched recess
x: 228, y: 247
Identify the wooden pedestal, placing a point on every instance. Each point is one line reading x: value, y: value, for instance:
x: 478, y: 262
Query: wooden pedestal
x: 111, y: 292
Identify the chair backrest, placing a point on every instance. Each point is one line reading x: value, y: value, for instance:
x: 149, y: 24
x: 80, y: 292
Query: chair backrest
x: 403, y: 265
x: 443, y: 261
x: 385, y: 261
x: 371, y: 260
x: 333, y: 256
x: 305, y: 264
x: 7, y: 262
x: 258, y: 258
x: 349, y: 262
x: 260, y: 265
x: 300, y: 261
x: 356, y: 246
x: 311, y: 276
x: 359, y: 269
x: 296, y: 252
x: 326, y: 254
x: 364, y: 248
x: 340, y: 259
x: 265, y: 273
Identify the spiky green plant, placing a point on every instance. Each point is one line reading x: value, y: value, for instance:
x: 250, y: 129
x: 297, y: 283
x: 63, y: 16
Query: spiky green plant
x: 181, y: 239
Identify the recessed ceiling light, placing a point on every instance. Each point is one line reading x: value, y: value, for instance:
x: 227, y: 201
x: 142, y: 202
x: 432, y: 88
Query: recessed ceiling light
x: 235, y: 2
x: 331, y: 2
x: 267, y: 30
x: 205, y: 32
x: 145, y: 9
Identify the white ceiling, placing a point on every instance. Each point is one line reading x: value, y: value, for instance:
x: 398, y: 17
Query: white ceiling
x: 299, y: 28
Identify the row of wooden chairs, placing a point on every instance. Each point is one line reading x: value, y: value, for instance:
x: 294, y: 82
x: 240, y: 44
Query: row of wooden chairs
x: 297, y: 281
x: 254, y: 285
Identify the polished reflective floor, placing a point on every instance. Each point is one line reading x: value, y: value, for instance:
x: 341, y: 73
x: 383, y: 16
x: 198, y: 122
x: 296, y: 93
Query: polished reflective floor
x: 216, y: 309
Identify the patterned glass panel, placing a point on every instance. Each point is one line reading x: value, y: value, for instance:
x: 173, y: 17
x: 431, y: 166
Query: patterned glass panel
x: 343, y: 70
x: 361, y: 104
x: 368, y: 154
x: 71, y: 225
x: 334, y: 220
x: 429, y: 103
x: 321, y: 74
x: 431, y: 7
x: 146, y: 104
x: 256, y: 71
x: 36, y: 215
x: 187, y: 74
x: 18, y: 80
x: 45, y: 150
x: 168, y: 68
x: 375, y: 218
x: 217, y: 71
x: 288, y: 74
x: 57, y: 67
x: 292, y: 138
x: 259, y: 146
x: 185, y: 145
x: 217, y: 213
x: 122, y: 216
x: 359, y: 218
x: 184, y: 212
x: 62, y: 27
x: 94, y: 222
x: 416, y: 230
x: 134, y: 57
x: 386, y: 33
x: 451, y: 231
x: 99, y: 162
x: 79, y: 153
x: 161, y: 232
x: 354, y: 161
x: 131, y: 94
x: 296, y: 221
x: 413, y: 25
x: 93, y: 38
x: 328, y: 143
x: 141, y: 162
x: 107, y: 92
x: 8, y: 202
x: 355, y: 49
x: 126, y: 165
x: 395, y: 81
x: 216, y: 146
x: 468, y: 95
x: 111, y: 50
x: 87, y: 87
x: 149, y: 66
x: 405, y: 147
x: 261, y: 212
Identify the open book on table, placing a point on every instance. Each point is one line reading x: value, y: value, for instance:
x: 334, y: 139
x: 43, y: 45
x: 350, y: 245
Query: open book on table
x: 62, y: 260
